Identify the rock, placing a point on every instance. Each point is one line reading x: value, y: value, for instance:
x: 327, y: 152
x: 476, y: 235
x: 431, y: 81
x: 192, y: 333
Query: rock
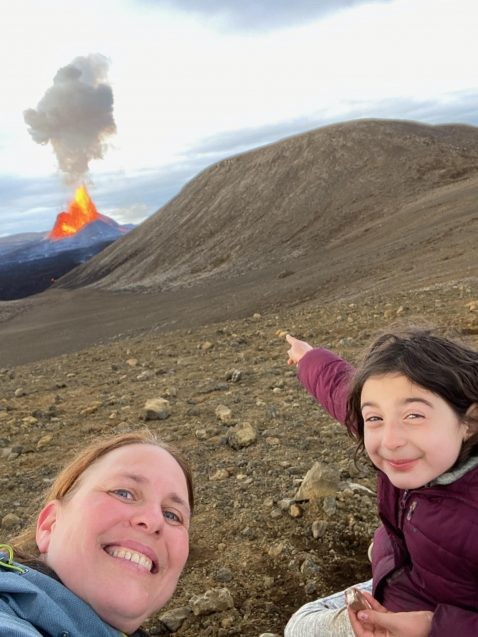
x: 44, y: 441
x: 10, y: 521
x: 224, y: 414
x: 224, y: 574
x: 242, y: 435
x: 207, y: 346
x: 296, y: 511
x: 319, y: 527
x: 310, y: 588
x: 145, y: 375
x: 276, y: 549
x: 321, y: 480
x: 19, y: 392
x: 175, y: 617
x: 284, y: 504
x: 132, y: 362
x: 220, y: 474
x: 309, y: 568
x: 330, y: 505
x: 91, y: 408
x: 213, y: 600
x: 29, y: 420
x: 234, y: 375
x: 157, y: 409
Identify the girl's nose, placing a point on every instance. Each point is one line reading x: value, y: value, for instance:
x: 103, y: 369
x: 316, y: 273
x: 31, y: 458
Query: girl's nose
x: 393, y: 435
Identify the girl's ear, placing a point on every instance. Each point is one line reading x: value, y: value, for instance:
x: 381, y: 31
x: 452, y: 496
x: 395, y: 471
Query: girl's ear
x: 45, y: 524
x: 471, y: 420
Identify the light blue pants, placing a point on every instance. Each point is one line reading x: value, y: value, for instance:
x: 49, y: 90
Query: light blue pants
x: 326, y: 617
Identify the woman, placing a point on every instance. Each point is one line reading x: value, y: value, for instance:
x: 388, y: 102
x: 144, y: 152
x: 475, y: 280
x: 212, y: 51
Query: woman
x: 108, y: 544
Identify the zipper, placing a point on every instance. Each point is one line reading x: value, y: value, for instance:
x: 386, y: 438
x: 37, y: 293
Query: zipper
x: 402, y: 507
x: 412, y: 508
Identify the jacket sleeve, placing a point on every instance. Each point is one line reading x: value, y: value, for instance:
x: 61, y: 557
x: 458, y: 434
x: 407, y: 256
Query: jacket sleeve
x: 326, y: 377
x: 451, y: 620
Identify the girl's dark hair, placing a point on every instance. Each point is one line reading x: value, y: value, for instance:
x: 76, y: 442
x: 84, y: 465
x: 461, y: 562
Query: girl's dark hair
x: 436, y: 363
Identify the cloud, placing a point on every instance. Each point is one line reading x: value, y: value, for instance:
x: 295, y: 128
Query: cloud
x: 457, y: 108
x: 75, y: 115
x: 262, y: 15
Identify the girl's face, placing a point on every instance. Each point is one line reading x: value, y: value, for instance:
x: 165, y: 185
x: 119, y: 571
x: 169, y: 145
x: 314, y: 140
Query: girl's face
x: 120, y: 541
x: 410, y: 433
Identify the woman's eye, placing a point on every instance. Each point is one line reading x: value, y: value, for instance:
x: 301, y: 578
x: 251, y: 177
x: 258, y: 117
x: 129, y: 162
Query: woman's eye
x: 123, y: 493
x: 171, y: 516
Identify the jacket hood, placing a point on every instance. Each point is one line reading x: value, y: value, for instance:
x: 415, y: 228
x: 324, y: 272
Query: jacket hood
x: 452, y: 476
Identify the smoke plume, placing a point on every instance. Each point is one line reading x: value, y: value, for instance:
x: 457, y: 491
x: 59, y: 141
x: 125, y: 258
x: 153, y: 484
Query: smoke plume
x: 75, y: 114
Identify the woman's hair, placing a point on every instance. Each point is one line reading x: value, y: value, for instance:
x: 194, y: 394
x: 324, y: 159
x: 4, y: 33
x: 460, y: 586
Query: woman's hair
x: 436, y: 363
x: 67, y: 480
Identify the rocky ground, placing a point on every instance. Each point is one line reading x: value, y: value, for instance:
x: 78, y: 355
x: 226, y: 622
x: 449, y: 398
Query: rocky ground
x: 247, y: 535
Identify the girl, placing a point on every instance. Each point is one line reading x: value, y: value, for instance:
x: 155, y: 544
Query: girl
x: 107, y: 547
x: 413, y: 406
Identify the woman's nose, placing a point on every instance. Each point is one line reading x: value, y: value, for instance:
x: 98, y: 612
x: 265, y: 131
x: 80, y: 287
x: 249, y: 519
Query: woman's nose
x: 149, y: 519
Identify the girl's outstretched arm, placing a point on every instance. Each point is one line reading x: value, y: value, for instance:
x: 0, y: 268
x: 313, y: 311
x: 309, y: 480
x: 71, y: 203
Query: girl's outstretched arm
x: 323, y: 374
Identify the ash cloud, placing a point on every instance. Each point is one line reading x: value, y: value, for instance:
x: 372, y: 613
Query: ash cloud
x: 75, y: 115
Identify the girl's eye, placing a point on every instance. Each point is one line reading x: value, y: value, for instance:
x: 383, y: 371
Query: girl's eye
x: 123, y: 493
x: 413, y: 416
x: 172, y: 517
x: 372, y: 419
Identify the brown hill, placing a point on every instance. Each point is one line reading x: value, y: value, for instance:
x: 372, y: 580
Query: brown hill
x: 348, y: 200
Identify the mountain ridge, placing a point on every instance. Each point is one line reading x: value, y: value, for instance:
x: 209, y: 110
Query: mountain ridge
x: 287, y: 200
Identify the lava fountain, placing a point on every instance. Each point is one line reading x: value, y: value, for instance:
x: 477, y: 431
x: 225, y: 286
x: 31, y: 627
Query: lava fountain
x: 81, y: 212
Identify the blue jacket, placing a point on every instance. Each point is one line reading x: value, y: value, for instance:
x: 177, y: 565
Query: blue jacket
x: 35, y: 605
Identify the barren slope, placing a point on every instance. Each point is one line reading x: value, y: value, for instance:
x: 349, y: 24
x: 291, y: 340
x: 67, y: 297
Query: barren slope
x: 349, y: 188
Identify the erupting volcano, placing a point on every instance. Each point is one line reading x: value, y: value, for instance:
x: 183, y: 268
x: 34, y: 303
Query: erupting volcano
x: 81, y: 212
x: 79, y: 233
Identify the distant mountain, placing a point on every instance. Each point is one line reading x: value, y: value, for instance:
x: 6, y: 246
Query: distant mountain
x: 364, y: 201
x: 21, y: 240
x: 31, y: 263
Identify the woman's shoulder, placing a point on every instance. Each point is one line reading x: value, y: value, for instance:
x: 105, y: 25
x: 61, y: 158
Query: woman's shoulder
x: 27, y: 593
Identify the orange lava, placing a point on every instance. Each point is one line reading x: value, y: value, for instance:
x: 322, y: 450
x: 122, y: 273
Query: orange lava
x: 81, y: 211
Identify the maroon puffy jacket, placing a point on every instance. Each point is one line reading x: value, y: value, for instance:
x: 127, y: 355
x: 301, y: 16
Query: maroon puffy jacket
x: 425, y: 554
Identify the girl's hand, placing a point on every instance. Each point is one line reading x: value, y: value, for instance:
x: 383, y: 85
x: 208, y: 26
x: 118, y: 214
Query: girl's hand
x: 379, y: 622
x: 297, y: 349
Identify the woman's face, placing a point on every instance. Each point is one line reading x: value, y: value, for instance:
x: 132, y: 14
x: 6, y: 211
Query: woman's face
x: 120, y: 541
x: 410, y: 433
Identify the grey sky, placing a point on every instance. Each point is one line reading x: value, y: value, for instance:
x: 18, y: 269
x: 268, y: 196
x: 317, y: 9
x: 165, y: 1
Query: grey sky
x: 265, y: 15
